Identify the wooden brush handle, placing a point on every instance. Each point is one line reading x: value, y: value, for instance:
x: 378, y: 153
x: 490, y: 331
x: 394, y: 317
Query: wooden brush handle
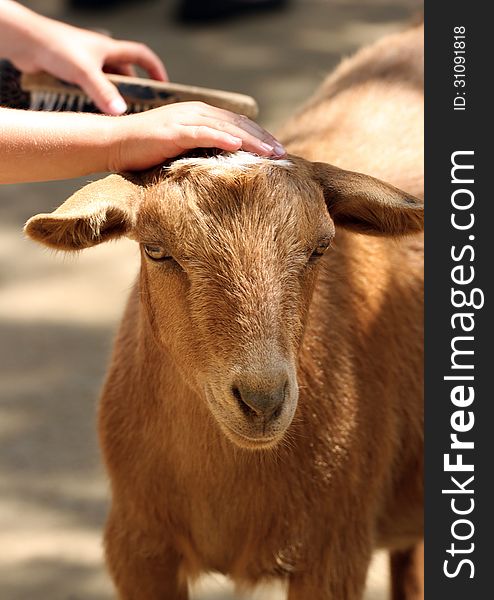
x: 149, y: 92
x: 133, y: 88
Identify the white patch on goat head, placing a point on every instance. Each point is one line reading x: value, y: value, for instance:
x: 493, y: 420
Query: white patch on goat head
x: 229, y: 161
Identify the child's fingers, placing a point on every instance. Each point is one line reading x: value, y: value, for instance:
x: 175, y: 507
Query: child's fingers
x: 254, y: 138
x: 250, y: 143
x: 120, y: 69
x: 104, y: 94
x: 138, y: 54
x: 237, y: 125
x: 242, y: 123
x: 202, y: 136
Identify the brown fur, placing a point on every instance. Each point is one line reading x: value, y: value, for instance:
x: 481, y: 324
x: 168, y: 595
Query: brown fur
x: 305, y: 492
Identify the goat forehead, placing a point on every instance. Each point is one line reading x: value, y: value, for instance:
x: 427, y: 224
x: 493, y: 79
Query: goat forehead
x: 237, y: 186
x: 228, y: 162
x: 228, y: 201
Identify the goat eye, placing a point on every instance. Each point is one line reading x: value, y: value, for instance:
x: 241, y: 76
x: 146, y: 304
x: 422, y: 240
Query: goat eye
x: 156, y: 252
x: 320, y: 249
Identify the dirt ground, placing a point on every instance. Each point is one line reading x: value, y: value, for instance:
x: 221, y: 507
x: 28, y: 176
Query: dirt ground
x: 58, y: 314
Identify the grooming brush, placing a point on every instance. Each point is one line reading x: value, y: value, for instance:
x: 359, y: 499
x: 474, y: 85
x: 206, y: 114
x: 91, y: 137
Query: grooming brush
x: 41, y: 91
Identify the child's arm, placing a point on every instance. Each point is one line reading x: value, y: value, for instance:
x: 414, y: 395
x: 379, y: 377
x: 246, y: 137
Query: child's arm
x: 40, y: 146
x: 35, y: 43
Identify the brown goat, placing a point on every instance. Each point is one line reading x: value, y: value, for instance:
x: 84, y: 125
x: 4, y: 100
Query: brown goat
x: 262, y: 416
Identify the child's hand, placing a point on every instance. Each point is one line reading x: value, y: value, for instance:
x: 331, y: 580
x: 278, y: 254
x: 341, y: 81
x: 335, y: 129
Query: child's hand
x: 143, y: 140
x: 39, y: 146
x: 75, y: 55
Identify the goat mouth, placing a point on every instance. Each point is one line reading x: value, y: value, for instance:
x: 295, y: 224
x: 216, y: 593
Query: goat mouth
x: 239, y: 432
x: 252, y: 442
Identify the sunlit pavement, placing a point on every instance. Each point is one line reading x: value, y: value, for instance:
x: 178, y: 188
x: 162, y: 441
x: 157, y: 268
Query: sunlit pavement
x: 58, y: 314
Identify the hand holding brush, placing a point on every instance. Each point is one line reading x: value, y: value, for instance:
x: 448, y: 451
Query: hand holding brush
x: 35, y: 43
x: 36, y: 146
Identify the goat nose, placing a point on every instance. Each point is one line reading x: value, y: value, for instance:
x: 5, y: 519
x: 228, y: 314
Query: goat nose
x: 265, y: 401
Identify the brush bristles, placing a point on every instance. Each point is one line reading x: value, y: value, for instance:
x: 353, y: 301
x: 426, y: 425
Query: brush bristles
x: 53, y: 101
x: 69, y: 101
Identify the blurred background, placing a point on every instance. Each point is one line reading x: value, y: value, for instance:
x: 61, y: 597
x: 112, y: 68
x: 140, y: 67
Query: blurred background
x: 58, y: 314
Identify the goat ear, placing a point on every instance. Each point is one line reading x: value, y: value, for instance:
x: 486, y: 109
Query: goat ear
x: 367, y: 205
x: 98, y: 212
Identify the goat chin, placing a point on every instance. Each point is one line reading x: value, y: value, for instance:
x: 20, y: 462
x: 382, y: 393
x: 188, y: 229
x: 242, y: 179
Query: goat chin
x: 243, y: 441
